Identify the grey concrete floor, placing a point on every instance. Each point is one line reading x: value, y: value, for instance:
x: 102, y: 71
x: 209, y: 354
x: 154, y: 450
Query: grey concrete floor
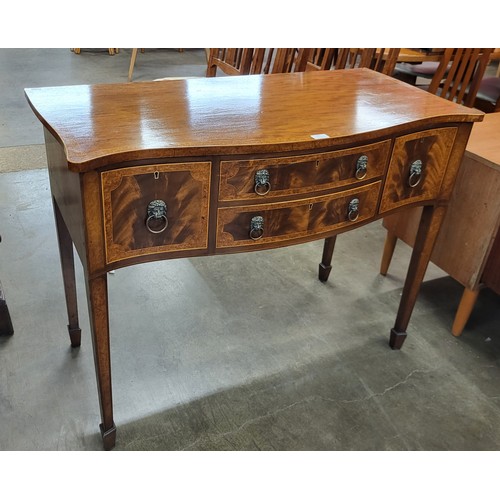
x: 242, y: 352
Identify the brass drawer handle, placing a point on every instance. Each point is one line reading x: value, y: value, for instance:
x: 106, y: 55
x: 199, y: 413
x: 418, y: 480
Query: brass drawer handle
x: 262, y: 184
x: 361, y: 167
x: 415, y: 173
x: 256, y: 227
x: 353, y: 210
x: 157, y: 221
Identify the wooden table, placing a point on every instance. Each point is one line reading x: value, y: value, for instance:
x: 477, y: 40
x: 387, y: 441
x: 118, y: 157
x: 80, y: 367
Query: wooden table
x: 419, y: 55
x: 468, y: 246
x: 171, y: 169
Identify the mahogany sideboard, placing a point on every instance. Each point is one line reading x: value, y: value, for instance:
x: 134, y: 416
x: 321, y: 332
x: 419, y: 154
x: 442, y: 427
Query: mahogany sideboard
x: 172, y: 169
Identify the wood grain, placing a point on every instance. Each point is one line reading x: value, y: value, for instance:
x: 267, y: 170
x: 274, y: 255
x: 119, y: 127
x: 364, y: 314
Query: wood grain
x: 288, y: 221
x: 126, y: 194
x: 301, y: 174
x: 433, y: 148
x: 111, y: 123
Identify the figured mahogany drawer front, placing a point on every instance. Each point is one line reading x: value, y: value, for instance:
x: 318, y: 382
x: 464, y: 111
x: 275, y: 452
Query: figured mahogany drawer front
x: 417, y: 167
x: 279, y: 222
x: 155, y: 208
x: 300, y: 174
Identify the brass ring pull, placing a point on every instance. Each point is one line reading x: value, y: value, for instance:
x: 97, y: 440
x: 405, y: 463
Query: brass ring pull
x: 256, y: 227
x: 415, y: 173
x: 353, y: 210
x: 262, y: 184
x: 361, y: 167
x: 157, y: 216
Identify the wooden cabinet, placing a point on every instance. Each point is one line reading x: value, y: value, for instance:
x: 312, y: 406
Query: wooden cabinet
x: 173, y: 169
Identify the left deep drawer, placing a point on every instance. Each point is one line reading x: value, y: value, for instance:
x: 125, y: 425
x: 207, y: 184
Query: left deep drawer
x: 155, y: 209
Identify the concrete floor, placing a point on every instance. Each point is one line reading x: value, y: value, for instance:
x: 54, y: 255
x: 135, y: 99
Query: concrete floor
x: 243, y: 352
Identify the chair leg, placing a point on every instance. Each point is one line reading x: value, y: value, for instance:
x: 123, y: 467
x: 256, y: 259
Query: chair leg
x: 389, y: 246
x: 464, y: 311
x: 132, y: 64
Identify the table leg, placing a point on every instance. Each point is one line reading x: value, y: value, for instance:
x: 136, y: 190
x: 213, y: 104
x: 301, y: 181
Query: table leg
x: 97, y: 296
x: 68, y: 272
x: 428, y: 230
x: 389, y: 247
x: 325, y: 265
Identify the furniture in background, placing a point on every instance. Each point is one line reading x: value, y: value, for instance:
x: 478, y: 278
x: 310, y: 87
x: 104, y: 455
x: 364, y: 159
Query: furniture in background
x: 133, y: 57
x: 6, y: 327
x: 111, y: 52
x: 266, y: 61
x: 239, y: 61
x: 488, y: 94
x: 468, y: 245
x: 381, y: 60
x: 456, y: 76
x: 247, y: 171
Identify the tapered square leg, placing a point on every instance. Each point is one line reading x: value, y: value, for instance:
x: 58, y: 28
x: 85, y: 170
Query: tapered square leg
x: 396, y: 339
x: 97, y: 296
x: 325, y: 265
x: 68, y: 273
x: 430, y: 223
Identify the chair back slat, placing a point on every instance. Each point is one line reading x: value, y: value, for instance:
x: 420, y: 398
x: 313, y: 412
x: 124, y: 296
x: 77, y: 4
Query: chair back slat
x: 321, y: 59
x: 288, y: 60
x: 459, y: 74
x: 256, y: 61
x: 230, y: 61
x: 381, y: 60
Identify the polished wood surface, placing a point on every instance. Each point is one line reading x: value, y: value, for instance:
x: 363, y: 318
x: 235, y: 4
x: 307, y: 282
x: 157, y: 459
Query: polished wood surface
x: 335, y: 146
x: 159, y: 116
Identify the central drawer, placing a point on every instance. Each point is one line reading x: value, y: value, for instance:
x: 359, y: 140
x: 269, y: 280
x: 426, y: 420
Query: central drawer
x: 269, y: 223
x: 268, y: 178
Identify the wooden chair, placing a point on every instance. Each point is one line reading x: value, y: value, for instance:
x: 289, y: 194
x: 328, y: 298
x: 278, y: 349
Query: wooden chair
x: 111, y: 52
x: 230, y: 61
x: 488, y: 95
x: 459, y: 74
x: 457, y: 78
x: 256, y: 61
x: 381, y: 60
x: 133, y: 57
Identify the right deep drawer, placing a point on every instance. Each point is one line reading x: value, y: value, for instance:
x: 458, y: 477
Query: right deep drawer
x: 417, y: 167
x: 256, y: 179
